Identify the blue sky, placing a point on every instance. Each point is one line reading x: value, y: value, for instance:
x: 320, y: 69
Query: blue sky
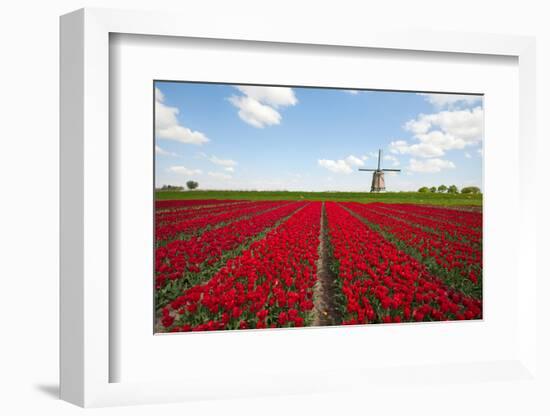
x: 313, y: 139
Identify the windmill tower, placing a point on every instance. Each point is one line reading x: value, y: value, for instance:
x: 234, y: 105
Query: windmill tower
x: 378, y: 183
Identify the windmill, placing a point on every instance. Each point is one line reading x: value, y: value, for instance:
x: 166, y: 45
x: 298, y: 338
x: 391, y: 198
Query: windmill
x: 378, y: 183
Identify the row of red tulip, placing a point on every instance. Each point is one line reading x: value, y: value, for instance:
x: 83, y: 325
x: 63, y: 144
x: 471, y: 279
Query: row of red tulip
x: 189, y: 203
x: 189, y: 226
x: 381, y: 283
x: 455, y: 231
x: 471, y: 219
x: 184, y: 263
x: 459, y: 264
x: 268, y: 285
x: 172, y: 215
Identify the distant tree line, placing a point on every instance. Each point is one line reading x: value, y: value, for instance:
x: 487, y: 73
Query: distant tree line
x: 174, y: 188
x: 171, y: 188
x: 451, y: 189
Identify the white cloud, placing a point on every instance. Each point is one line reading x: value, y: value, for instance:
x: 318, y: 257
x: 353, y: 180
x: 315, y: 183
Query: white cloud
x: 159, y: 95
x: 352, y: 92
x: 222, y: 162
x: 418, y: 149
x: 392, y: 159
x: 273, y: 96
x: 480, y: 151
x: 467, y: 155
x: 464, y: 124
x: 451, y: 100
x: 439, y: 132
x: 219, y: 175
x: 182, y: 170
x: 258, y: 106
x: 418, y: 126
x: 342, y: 165
x: 336, y: 166
x: 255, y: 113
x: 227, y: 164
x: 160, y: 151
x: 354, y: 161
x: 429, y: 165
x: 168, y: 127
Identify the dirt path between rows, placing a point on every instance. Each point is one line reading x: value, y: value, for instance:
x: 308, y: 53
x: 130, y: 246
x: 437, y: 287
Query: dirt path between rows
x: 324, y: 312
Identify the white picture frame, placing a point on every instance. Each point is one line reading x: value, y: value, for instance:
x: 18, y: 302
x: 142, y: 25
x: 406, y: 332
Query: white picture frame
x: 85, y: 204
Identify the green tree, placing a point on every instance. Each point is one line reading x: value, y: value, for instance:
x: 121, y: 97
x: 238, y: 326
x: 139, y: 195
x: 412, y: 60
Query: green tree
x: 192, y: 185
x: 433, y: 189
x: 441, y: 188
x: 452, y: 189
x: 470, y: 190
x: 424, y: 189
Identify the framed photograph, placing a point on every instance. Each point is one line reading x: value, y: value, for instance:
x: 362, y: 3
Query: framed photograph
x: 282, y: 213
x: 283, y: 224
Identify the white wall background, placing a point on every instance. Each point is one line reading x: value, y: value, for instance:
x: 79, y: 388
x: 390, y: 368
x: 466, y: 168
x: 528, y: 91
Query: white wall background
x: 29, y: 204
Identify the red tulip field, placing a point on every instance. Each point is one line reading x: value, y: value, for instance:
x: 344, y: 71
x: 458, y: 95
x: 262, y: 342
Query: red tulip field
x: 226, y: 264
